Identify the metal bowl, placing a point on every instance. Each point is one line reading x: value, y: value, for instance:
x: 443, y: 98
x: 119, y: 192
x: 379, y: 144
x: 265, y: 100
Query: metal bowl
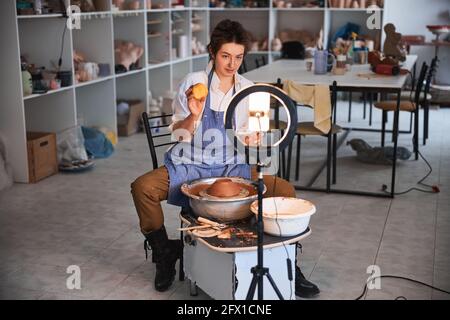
x: 220, y: 209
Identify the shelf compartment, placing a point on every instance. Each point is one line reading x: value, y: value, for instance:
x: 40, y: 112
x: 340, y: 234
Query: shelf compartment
x: 96, y: 105
x: 132, y: 29
x: 311, y: 22
x: 179, y: 71
x: 100, y: 33
x: 158, y: 37
x: 258, y: 25
x: 200, y: 31
x: 41, y: 41
x: 341, y: 17
x: 132, y: 87
x: 181, y: 46
x: 159, y: 81
x: 51, y: 113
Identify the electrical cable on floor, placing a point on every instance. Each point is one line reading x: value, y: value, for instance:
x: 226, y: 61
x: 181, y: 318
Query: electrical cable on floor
x: 288, y: 260
x: 403, y: 278
x: 434, y: 188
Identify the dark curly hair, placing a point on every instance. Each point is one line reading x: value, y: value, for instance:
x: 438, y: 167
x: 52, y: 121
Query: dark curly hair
x: 227, y: 31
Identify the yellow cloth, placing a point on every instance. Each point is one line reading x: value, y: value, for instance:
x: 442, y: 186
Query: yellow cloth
x: 316, y: 96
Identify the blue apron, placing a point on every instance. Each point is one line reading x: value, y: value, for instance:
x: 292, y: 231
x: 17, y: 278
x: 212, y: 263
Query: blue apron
x: 191, y: 162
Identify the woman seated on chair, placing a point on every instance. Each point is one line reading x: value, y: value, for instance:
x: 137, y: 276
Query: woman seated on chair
x: 227, y: 49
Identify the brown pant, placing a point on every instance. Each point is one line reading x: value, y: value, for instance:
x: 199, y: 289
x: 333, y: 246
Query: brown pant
x: 151, y: 188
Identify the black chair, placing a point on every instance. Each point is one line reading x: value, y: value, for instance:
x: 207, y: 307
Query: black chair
x: 243, y: 67
x: 153, y: 144
x: 405, y: 105
x: 261, y: 63
x: 426, y: 98
x: 293, y: 50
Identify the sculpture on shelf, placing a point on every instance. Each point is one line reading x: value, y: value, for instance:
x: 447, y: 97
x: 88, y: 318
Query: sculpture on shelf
x: 84, y: 70
x: 197, y: 46
x: 392, y: 47
x: 276, y: 44
x: 127, y: 55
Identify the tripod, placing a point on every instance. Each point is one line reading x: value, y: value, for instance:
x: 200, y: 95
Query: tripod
x: 260, y: 109
x: 259, y: 271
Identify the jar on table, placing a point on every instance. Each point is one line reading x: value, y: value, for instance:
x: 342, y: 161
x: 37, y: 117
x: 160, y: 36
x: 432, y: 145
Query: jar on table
x: 341, y: 60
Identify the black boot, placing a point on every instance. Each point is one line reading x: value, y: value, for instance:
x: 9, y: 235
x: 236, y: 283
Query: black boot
x: 303, y: 287
x: 165, y: 254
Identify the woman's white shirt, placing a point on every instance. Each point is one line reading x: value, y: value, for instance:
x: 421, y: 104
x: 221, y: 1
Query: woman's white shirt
x: 218, y: 100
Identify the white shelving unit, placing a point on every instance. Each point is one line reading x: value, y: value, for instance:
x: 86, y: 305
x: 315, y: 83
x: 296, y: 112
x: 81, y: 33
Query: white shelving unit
x: 266, y: 23
x: 162, y: 66
x: 91, y: 103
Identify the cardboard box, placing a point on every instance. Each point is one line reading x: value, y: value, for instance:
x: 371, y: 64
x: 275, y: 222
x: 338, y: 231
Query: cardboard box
x: 42, y: 156
x: 128, y: 124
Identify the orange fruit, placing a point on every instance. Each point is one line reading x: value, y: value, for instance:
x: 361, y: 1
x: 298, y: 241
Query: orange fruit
x: 199, y: 91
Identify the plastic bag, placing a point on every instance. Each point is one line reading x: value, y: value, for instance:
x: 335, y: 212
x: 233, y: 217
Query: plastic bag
x: 70, y: 145
x: 377, y: 155
x: 96, y: 143
x: 6, y: 171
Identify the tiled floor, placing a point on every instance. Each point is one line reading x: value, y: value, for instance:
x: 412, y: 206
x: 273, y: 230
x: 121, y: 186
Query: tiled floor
x: 89, y: 220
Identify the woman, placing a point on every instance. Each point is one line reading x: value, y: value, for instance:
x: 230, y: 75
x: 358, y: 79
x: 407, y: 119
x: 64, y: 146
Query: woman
x: 227, y: 48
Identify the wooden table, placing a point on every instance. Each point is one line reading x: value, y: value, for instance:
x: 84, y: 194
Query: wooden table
x: 358, y: 79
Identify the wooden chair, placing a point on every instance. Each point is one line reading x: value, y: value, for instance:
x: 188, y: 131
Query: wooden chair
x: 425, y: 97
x: 405, y: 105
x: 307, y: 128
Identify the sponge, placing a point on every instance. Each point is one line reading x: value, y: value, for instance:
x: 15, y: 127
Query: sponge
x: 199, y: 91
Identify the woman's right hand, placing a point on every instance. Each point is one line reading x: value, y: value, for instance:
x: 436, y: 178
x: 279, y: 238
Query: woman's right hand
x: 195, y: 106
